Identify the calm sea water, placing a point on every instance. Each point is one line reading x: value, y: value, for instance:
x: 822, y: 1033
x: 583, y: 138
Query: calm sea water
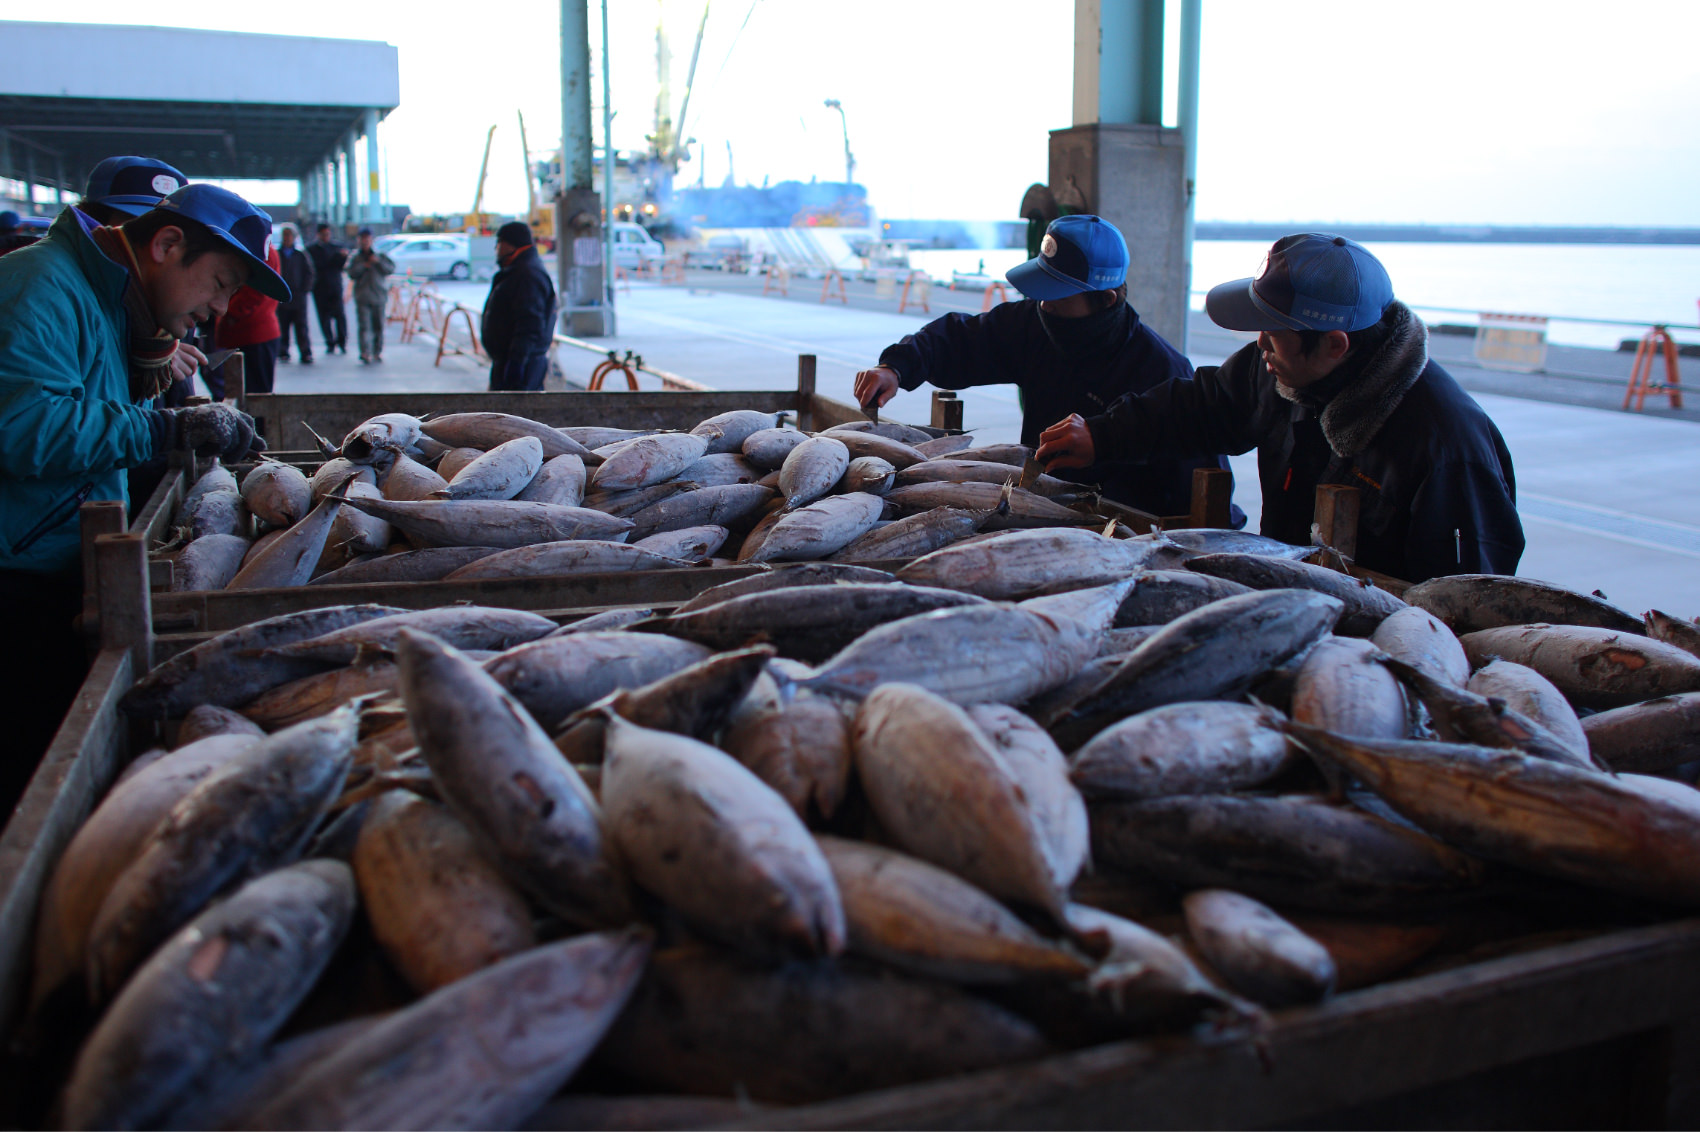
x: 1637, y: 284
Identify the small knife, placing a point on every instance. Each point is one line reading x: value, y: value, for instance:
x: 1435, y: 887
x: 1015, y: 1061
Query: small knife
x: 872, y: 409
x: 1030, y: 471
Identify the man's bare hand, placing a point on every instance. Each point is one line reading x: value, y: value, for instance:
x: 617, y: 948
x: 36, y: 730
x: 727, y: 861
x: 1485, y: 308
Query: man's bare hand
x: 186, y: 362
x: 876, y: 386
x: 1067, y: 444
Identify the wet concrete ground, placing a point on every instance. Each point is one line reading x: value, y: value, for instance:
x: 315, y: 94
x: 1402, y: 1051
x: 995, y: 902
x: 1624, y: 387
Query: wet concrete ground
x: 1609, y: 500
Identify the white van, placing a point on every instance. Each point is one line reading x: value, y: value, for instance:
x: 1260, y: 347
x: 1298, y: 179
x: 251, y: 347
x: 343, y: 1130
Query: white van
x: 634, y: 247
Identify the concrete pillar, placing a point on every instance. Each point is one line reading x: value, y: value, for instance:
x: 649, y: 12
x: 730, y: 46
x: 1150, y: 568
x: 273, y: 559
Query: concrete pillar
x: 578, y: 211
x: 1118, y: 61
x: 375, y: 211
x: 29, y: 179
x: 1121, y: 160
x: 58, y: 183
x: 351, y: 171
x: 338, y: 213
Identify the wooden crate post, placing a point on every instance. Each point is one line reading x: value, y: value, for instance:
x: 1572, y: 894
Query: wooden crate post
x: 126, y: 606
x: 947, y: 410
x: 99, y: 517
x: 1212, y: 493
x: 806, y: 392
x: 1337, y: 517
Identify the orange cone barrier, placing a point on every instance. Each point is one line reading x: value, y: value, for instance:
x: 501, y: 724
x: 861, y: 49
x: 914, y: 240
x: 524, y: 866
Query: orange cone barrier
x: 1641, y: 382
x: 826, y: 287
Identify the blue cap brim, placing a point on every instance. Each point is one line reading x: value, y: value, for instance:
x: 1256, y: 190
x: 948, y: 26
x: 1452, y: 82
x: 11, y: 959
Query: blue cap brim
x: 1232, y: 307
x: 261, y: 277
x: 1035, y: 281
x: 130, y: 206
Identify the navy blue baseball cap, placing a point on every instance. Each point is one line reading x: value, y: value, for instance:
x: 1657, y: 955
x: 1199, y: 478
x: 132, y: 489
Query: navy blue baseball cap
x: 246, y: 229
x: 132, y: 185
x: 8, y: 221
x: 1310, y: 281
x: 1078, y: 254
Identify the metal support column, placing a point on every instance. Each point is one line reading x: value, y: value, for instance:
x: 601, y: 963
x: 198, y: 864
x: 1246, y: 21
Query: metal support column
x: 1119, y: 161
x: 578, y: 212
x: 29, y: 179
x: 352, y: 173
x: 1186, y: 117
x: 374, y: 189
x: 58, y: 183
x: 1118, y: 62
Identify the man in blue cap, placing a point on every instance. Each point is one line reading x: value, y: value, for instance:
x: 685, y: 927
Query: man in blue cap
x: 120, y: 188
x: 1073, y: 346
x: 80, y: 305
x: 1337, y: 389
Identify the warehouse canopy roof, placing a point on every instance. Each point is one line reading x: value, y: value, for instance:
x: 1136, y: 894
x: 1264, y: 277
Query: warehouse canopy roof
x: 214, y: 104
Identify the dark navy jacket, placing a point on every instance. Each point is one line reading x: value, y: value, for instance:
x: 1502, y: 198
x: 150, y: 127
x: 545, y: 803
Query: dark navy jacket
x: 519, y: 315
x: 1438, y: 495
x: 1008, y: 346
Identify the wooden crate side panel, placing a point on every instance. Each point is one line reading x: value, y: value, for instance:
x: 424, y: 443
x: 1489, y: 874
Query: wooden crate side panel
x: 80, y: 764
x: 1356, y: 1049
x: 334, y: 415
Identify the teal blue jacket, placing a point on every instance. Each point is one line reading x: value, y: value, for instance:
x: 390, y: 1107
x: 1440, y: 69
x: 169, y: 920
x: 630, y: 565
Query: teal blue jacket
x: 68, y: 428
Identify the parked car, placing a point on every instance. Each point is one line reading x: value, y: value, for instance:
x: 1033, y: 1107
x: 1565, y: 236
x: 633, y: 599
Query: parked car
x: 429, y: 256
x: 634, y: 247
x: 720, y: 253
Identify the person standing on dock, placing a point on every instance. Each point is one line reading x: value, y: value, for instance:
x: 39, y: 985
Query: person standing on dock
x: 81, y: 305
x: 370, y: 271
x: 1073, y: 345
x: 329, y: 259
x: 296, y: 267
x: 518, y: 325
x: 1337, y: 389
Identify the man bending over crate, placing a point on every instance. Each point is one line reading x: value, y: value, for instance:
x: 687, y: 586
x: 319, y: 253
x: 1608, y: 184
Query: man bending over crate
x: 90, y: 313
x: 1337, y: 389
x: 1072, y: 346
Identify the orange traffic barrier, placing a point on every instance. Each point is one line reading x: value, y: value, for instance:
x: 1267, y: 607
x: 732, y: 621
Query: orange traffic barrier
x: 778, y: 278
x: 443, y: 348
x: 622, y: 280
x: 615, y: 364
x: 673, y: 270
x: 400, y: 293
x: 426, y: 307
x: 923, y: 292
x: 1003, y: 295
x: 826, y: 287
x: 1641, y: 380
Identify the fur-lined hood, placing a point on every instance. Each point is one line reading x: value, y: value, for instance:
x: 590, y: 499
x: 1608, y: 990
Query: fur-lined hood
x: 1352, y: 416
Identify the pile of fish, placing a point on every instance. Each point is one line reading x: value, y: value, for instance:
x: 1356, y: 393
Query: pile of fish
x: 492, y: 495
x: 826, y: 829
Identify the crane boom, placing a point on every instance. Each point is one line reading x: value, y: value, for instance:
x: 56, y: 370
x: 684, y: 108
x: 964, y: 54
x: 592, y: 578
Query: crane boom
x: 483, y: 171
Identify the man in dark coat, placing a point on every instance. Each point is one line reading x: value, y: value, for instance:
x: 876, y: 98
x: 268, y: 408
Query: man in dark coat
x: 519, y: 316
x: 296, y: 267
x: 1073, y: 346
x: 329, y: 259
x: 1338, y: 389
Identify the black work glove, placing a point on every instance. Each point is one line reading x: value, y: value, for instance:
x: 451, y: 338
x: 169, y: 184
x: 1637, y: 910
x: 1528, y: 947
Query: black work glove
x: 208, y: 430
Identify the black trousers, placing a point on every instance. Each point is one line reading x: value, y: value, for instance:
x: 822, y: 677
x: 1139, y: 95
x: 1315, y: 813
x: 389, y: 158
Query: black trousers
x: 333, y: 318
x: 294, y: 317
x: 38, y: 609
x: 523, y: 373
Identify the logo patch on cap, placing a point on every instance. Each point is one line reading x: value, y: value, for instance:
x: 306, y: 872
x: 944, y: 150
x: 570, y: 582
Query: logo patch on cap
x: 164, y: 185
x: 1048, y: 246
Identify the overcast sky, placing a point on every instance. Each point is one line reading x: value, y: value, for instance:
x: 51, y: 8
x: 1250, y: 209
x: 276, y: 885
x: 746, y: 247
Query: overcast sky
x: 1448, y: 111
